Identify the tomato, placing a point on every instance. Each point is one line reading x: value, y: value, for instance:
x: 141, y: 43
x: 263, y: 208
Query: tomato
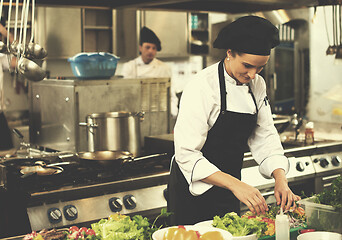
x: 83, y: 229
x: 74, y: 235
x: 181, y: 226
x: 198, y: 234
x: 251, y: 217
x: 73, y: 229
x: 91, y: 232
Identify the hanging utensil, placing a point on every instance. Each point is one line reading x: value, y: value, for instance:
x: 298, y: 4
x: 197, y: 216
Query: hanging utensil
x: 329, y: 50
x: 31, y: 70
x: 334, y: 13
x: 14, y: 46
x: 339, y: 48
x: 34, y: 50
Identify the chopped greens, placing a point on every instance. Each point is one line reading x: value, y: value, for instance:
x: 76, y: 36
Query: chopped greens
x: 239, y: 226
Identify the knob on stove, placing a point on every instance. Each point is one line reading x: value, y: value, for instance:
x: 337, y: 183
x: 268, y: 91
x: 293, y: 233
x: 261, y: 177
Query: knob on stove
x: 70, y: 212
x: 129, y: 201
x: 300, y: 166
x: 323, y: 162
x: 336, y: 161
x: 54, y: 215
x: 115, y: 204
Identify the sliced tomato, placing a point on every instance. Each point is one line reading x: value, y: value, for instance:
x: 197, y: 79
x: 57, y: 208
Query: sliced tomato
x: 73, y: 229
x: 307, y: 230
x: 181, y: 226
x: 74, y: 235
x: 198, y: 234
x: 83, y: 229
x: 91, y: 232
x: 251, y: 217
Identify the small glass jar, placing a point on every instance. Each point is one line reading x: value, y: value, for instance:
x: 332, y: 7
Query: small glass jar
x: 309, y: 133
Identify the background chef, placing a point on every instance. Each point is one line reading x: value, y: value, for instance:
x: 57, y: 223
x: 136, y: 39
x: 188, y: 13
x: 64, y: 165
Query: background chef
x: 147, y: 65
x: 224, y: 111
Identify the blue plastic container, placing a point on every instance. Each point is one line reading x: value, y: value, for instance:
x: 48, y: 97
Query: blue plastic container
x: 93, y: 65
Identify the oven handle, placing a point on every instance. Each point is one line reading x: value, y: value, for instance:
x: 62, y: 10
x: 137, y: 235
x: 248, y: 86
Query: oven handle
x: 267, y: 193
x: 330, y: 177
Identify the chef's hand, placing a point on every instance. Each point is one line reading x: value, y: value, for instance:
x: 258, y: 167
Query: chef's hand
x: 282, y: 192
x: 250, y: 196
x: 244, y: 192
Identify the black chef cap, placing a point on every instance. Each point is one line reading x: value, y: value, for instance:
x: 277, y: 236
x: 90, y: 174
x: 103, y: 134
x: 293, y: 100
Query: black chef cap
x: 147, y: 35
x: 249, y: 34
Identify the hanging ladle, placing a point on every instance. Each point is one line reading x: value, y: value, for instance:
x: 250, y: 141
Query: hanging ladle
x: 3, y: 47
x: 31, y: 70
x: 339, y: 48
x: 34, y: 50
x: 14, y: 45
x: 332, y: 49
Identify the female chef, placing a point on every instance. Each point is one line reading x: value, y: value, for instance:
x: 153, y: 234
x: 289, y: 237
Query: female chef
x: 223, y: 111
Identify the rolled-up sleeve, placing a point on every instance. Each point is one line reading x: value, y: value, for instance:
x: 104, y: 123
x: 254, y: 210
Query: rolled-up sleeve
x: 264, y: 143
x: 190, y: 134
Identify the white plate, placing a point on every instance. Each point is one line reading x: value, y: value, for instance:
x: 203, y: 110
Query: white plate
x: 209, y: 223
x: 158, y: 235
x: 320, y: 236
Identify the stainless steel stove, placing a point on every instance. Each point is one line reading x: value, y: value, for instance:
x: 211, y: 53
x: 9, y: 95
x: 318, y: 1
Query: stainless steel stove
x: 82, y: 194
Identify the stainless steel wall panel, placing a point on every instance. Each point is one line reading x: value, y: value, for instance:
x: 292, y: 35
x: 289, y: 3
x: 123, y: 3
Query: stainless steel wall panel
x: 58, y: 106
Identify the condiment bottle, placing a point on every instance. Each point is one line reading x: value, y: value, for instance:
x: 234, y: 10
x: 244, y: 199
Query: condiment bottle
x: 282, y: 226
x: 309, y: 133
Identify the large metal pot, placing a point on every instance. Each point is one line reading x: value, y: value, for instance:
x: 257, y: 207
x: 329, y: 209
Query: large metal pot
x: 116, y: 131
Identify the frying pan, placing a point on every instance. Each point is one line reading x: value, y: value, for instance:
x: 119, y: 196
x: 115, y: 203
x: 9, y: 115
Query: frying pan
x: 112, y: 158
x: 41, y: 169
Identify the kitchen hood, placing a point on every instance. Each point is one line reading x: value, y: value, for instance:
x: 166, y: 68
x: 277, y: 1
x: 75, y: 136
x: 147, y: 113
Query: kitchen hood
x: 223, y: 6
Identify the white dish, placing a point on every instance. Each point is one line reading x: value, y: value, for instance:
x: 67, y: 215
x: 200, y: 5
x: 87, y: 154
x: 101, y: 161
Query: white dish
x: 319, y: 236
x: 158, y: 235
x: 209, y: 223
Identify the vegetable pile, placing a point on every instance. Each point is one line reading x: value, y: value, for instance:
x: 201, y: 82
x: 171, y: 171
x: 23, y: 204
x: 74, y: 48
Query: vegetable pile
x: 331, y: 196
x: 296, y: 216
x: 240, y: 226
x: 121, y: 227
x: 261, y: 225
x: 116, y: 227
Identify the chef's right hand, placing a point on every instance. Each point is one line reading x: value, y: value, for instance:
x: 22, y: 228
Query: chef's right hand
x: 249, y: 196
x: 244, y: 192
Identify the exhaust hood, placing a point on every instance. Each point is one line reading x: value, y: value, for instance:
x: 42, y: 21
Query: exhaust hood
x: 223, y: 6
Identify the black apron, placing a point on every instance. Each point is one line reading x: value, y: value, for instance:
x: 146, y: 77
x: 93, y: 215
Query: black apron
x: 225, y: 146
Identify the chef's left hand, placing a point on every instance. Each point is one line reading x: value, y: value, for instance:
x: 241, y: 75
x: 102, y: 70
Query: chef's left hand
x: 282, y: 192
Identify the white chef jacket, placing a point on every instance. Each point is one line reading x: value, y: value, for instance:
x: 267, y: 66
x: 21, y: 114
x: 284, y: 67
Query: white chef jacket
x: 199, y: 109
x: 137, y: 68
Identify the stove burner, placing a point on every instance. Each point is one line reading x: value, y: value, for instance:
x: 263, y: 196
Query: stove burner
x: 79, y: 174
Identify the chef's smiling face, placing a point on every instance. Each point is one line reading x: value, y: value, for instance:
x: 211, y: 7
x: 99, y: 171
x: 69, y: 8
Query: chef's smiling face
x: 243, y: 66
x: 148, y: 51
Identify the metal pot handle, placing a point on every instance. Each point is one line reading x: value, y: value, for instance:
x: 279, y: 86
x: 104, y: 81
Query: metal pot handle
x: 89, y: 126
x: 83, y: 124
